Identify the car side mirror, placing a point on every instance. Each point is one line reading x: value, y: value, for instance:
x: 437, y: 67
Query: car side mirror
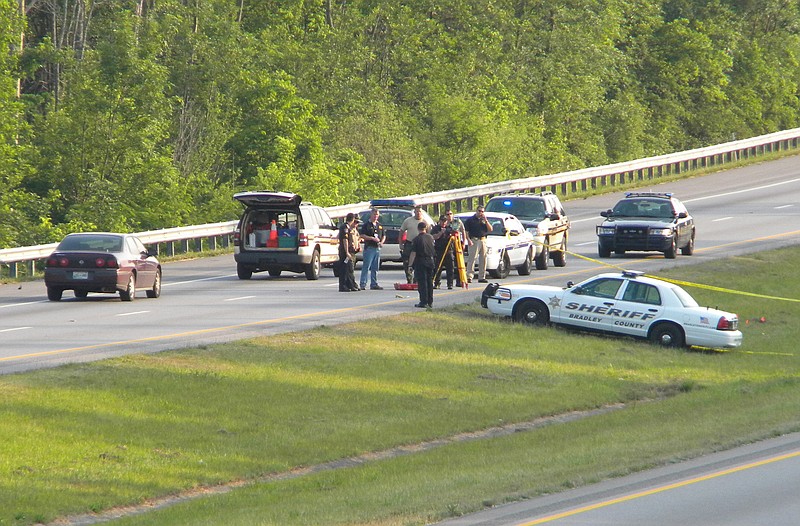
x: 514, y: 232
x: 570, y: 284
x: 683, y: 215
x: 606, y: 213
x: 554, y: 217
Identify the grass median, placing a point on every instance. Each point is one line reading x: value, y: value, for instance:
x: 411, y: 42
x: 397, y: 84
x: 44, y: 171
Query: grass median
x: 408, y: 400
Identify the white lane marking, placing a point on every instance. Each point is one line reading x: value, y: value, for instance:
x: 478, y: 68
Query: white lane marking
x: 584, y: 244
x: 133, y: 313
x: 197, y: 280
x: 740, y: 191
x: 709, y: 197
x: 21, y: 304
x: 721, y: 219
x: 783, y: 206
x: 15, y: 329
x: 240, y: 298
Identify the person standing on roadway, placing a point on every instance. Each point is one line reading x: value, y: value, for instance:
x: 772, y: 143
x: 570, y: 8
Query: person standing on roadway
x: 347, y: 255
x: 422, y: 258
x: 373, y: 235
x: 442, y: 235
x: 408, y: 230
x: 478, y: 227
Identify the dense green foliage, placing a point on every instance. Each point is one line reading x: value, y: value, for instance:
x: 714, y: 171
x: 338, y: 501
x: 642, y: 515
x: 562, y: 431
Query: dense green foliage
x: 142, y: 114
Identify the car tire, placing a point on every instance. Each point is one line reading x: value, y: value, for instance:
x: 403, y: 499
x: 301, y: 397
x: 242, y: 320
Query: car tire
x: 313, y: 268
x: 672, y: 251
x: 129, y: 294
x: 688, y: 250
x: 503, y: 268
x: 54, y: 294
x: 155, y: 292
x: 80, y: 293
x: 603, y: 251
x: 541, y: 260
x: 274, y: 272
x: 560, y: 257
x: 532, y: 312
x: 667, y: 335
x: 527, y: 266
x: 243, y: 271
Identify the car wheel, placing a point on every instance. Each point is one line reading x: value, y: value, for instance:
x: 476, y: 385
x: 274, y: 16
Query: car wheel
x: 244, y: 272
x: 503, y: 268
x: 688, y: 250
x: 603, y: 251
x: 667, y: 335
x: 541, y: 261
x: 129, y: 294
x: 155, y: 292
x: 532, y: 312
x: 312, y: 269
x: 80, y: 293
x: 527, y: 265
x: 54, y: 294
x: 672, y: 251
x: 560, y: 257
x: 274, y: 272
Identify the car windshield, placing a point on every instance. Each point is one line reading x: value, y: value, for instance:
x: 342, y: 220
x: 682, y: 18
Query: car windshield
x: 93, y: 243
x: 656, y: 208
x: 522, y: 208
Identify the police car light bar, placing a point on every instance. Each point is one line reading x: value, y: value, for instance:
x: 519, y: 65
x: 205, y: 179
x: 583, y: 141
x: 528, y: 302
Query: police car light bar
x: 648, y: 194
x: 401, y: 203
x: 632, y: 273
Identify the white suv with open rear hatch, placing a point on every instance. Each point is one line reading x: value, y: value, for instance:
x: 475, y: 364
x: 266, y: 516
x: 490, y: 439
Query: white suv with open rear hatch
x: 278, y: 231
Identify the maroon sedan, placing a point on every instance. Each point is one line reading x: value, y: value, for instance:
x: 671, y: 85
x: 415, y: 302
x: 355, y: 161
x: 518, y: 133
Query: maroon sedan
x: 102, y: 262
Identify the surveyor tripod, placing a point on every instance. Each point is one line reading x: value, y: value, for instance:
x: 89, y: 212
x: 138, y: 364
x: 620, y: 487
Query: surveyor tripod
x: 461, y: 268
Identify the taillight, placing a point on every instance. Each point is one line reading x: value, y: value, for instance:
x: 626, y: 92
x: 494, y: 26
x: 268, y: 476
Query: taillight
x: 99, y: 262
x: 237, y: 237
x: 724, y: 324
x: 112, y: 262
x: 302, y: 240
x: 63, y: 262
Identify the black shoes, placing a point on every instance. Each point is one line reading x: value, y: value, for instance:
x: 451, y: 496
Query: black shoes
x: 376, y: 287
x: 483, y: 281
x: 423, y: 306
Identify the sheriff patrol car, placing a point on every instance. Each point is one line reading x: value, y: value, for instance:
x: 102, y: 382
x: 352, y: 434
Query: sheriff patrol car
x: 627, y: 303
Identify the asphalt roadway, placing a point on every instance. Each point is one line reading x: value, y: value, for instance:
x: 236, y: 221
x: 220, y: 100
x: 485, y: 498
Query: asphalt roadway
x: 752, y: 485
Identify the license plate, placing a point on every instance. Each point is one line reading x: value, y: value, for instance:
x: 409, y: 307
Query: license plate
x: 80, y: 275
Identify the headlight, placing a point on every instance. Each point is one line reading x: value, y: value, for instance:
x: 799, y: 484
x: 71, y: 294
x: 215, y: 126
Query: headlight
x: 605, y: 230
x: 503, y: 294
x: 661, y: 232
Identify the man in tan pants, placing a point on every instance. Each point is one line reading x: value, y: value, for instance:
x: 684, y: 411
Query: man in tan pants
x: 477, y: 227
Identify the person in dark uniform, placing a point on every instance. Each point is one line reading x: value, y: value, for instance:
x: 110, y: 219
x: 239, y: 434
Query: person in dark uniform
x: 347, y: 255
x: 374, y: 237
x: 442, y: 234
x: 422, y: 259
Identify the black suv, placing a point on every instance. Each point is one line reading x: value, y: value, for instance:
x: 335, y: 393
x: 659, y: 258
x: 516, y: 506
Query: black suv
x: 646, y: 221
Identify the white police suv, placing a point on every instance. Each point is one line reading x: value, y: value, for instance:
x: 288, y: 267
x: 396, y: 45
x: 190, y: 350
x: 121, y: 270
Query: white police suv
x: 627, y: 303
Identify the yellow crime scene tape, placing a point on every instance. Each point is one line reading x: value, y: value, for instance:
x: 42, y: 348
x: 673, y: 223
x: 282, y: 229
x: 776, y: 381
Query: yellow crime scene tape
x: 682, y: 283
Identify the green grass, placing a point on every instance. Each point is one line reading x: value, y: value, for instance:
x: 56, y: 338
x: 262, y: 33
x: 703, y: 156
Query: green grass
x: 89, y: 437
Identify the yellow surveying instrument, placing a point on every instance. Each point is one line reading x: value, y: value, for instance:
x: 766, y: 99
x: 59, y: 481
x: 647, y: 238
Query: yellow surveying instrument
x: 461, y: 268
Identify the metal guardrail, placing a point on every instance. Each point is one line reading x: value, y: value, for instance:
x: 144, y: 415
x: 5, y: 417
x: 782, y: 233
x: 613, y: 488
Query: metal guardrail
x: 466, y: 198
